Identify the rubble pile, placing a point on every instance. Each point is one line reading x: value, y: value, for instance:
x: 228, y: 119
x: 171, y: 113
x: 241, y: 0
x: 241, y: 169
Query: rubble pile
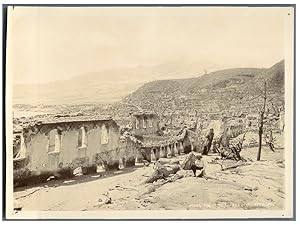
x: 230, y: 151
x: 170, y: 170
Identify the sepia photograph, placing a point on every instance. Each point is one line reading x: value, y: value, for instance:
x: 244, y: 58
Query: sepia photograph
x: 149, y: 112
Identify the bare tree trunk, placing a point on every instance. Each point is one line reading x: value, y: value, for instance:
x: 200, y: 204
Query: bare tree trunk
x: 163, y: 172
x: 225, y: 140
x: 260, y: 132
x: 261, y: 124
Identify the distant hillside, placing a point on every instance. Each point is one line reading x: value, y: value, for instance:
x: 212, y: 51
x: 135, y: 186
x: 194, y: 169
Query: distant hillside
x: 101, y: 87
x: 87, y: 88
x: 224, y: 89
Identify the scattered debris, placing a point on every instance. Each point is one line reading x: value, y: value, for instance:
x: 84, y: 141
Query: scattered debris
x: 50, y: 178
x: 17, y: 206
x: 96, y: 176
x: 170, y: 170
x: 120, y: 188
x: 68, y: 181
x: 250, y: 189
x: 163, y: 161
x: 233, y: 165
x: 253, y: 142
x: 270, y: 140
x: 194, y: 162
x: 188, y: 162
x: 100, y: 169
x: 175, y: 177
x: 107, y: 199
x: 146, y: 163
x: 232, y: 151
x: 185, y: 173
x: 77, y: 172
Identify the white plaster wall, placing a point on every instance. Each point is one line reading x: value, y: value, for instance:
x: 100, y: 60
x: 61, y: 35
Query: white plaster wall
x: 37, y: 151
x: 69, y: 146
x: 41, y: 160
x: 94, y: 145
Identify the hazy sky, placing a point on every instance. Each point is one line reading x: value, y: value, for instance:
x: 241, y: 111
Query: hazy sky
x: 48, y: 44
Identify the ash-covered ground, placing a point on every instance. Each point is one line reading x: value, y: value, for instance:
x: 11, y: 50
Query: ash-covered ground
x: 254, y: 185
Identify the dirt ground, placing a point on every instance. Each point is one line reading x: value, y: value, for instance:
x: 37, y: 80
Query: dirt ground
x: 256, y: 185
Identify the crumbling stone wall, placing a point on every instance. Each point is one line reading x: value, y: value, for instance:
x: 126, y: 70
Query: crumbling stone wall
x: 70, y: 156
x: 144, y: 124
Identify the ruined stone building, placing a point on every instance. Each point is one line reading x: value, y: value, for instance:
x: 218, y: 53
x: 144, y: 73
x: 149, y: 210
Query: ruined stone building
x: 155, y: 145
x: 144, y: 123
x: 60, y: 144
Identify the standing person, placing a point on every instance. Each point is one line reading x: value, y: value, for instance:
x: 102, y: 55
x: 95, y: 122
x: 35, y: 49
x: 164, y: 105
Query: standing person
x: 209, y: 139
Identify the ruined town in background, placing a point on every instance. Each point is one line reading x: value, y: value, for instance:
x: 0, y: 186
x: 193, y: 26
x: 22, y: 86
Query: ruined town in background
x: 211, y: 139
